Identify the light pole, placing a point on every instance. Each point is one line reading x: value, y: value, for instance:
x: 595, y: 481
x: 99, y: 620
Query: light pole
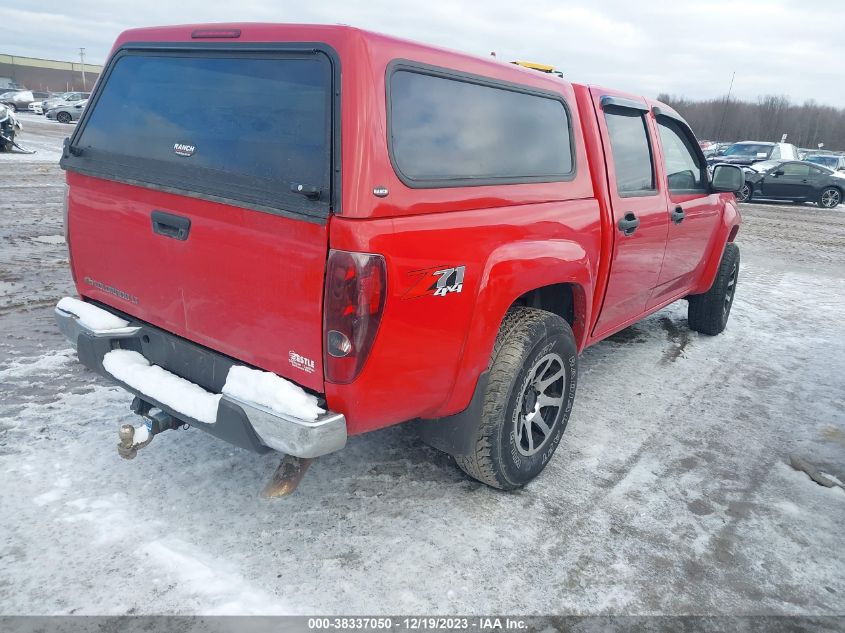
x: 725, y: 108
x: 82, y: 63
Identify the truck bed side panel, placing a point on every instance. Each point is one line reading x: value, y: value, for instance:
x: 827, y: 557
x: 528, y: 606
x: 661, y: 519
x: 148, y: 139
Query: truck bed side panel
x: 430, y: 349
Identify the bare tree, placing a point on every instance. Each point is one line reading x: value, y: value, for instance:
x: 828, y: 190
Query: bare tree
x: 767, y: 119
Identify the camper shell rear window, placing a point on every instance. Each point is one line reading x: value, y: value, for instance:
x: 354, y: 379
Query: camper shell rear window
x: 250, y: 126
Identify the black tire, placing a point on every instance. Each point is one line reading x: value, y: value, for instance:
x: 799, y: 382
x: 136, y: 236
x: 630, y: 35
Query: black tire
x: 6, y: 146
x: 829, y: 198
x: 511, y: 447
x: 744, y: 194
x: 63, y: 117
x: 708, y: 313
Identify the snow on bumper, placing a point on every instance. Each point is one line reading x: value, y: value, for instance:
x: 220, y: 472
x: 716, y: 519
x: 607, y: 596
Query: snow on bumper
x: 281, y: 414
x: 75, y: 316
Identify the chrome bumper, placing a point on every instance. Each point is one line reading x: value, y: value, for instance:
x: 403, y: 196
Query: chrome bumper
x: 287, y: 434
x: 294, y: 436
x: 72, y: 327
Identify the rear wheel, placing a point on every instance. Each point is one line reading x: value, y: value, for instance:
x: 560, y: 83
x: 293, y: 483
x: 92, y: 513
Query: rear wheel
x: 744, y: 194
x: 533, y: 375
x: 63, y: 117
x: 708, y: 313
x: 830, y: 197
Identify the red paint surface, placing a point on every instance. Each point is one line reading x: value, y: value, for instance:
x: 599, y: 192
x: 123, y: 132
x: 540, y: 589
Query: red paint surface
x: 249, y: 284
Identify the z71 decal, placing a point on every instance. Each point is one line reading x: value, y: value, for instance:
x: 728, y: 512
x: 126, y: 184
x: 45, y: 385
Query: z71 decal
x: 438, y: 281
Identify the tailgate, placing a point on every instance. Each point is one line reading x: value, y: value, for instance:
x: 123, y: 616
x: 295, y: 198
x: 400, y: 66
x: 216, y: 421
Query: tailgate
x: 193, y: 210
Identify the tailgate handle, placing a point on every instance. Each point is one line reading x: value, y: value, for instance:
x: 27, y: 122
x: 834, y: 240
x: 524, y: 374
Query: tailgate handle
x: 170, y: 225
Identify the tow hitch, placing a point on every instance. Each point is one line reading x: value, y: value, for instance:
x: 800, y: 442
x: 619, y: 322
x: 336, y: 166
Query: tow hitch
x: 157, y: 422
x: 284, y: 482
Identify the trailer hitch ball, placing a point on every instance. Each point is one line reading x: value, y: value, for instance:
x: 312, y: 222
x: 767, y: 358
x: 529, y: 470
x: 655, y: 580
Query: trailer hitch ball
x: 125, y: 447
x: 134, y: 439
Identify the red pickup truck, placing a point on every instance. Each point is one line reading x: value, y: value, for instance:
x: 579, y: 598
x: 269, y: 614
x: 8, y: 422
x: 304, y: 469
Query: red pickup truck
x: 285, y: 235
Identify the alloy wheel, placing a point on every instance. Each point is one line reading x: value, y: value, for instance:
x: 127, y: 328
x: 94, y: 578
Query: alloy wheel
x: 830, y: 198
x: 730, y: 291
x: 539, y: 405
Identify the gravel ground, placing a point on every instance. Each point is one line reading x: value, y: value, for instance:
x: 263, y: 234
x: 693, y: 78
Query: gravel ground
x: 669, y: 494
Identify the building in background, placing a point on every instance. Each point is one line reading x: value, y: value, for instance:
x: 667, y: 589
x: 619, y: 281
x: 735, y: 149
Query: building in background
x: 45, y: 74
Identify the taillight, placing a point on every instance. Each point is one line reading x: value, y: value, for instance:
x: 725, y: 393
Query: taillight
x: 352, y: 309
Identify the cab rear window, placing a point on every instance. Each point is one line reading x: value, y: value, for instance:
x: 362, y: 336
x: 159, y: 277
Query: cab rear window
x: 248, y: 127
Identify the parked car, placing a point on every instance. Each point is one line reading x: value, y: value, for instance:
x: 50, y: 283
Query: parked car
x: 749, y: 152
x: 10, y: 127
x: 20, y: 99
x: 68, y: 113
x: 716, y: 149
x: 797, y: 181
x: 446, y: 264
x: 835, y: 162
x: 63, y: 99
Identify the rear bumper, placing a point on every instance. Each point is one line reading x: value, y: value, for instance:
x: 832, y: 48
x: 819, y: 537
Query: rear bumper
x: 246, y: 424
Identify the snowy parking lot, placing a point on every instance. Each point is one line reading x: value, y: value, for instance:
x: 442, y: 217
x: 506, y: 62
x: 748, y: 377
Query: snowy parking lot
x: 671, y: 492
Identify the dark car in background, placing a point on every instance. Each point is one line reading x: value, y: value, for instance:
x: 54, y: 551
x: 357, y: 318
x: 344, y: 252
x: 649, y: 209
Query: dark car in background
x: 798, y: 181
x: 750, y: 152
x: 831, y: 161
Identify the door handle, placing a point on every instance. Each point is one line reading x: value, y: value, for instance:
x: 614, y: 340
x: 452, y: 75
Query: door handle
x: 678, y: 215
x: 629, y: 224
x: 169, y: 225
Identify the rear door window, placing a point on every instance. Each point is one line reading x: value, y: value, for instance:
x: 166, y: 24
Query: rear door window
x: 631, y: 148
x: 247, y: 127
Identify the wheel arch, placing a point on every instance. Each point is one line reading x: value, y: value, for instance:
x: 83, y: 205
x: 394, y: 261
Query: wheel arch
x: 557, y: 298
x: 554, y: 275
x: 726, y: 232
x: 838, y: 187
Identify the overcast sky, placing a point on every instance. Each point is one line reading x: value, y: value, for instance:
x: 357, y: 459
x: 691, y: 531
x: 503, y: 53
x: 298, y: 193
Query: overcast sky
x: 683, y: 47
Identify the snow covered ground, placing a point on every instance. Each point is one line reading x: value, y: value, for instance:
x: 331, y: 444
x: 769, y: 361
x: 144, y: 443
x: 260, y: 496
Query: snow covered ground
x: 41, y: 135
x: 670, y: 492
